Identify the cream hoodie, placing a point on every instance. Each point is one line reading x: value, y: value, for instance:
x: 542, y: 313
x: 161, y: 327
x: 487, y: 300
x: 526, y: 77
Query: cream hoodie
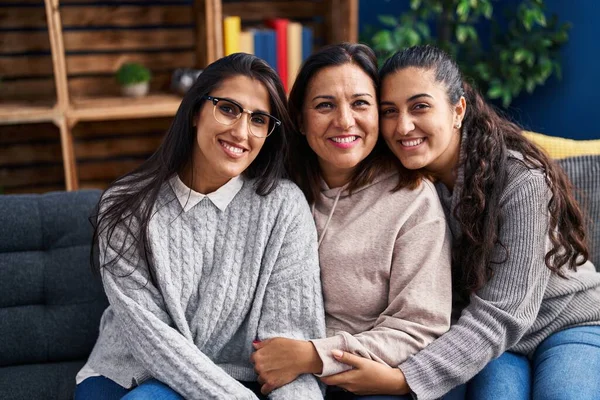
x: 385, y: 269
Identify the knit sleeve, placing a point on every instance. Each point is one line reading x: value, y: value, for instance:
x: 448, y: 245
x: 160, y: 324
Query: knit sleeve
x: 293, y: 302
x: 419, y: 297
x: 142, y: 317
x: 501, y: 312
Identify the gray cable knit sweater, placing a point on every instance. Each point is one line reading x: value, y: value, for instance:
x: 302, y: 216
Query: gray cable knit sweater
x: 520, y: 306
x: 224, y: 278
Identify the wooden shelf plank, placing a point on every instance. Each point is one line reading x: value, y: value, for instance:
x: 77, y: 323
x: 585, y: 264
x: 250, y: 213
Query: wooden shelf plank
x: 22, y: 113
x: 111, y: 108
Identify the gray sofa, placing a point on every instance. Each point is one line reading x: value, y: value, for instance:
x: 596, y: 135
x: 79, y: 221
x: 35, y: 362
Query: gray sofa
x: 51, y: 304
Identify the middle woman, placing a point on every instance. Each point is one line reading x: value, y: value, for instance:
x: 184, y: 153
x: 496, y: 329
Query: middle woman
x: 384, y: 245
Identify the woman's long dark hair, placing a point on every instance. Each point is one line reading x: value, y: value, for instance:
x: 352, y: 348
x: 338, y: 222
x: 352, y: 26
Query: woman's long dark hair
x: 303, y: 164
x: 489, y: 137
x: 128, y: 202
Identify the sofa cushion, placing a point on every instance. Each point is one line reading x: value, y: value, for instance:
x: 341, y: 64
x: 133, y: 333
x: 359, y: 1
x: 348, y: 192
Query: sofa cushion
x: 39, y: 381
x: 558, y: 147
x: 50, y: 302
x: 584, y: 173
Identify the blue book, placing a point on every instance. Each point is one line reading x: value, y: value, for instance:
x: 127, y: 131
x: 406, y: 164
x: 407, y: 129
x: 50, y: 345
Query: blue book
x: 307, y: 42
x: 259, y: 46
x: 270, y: 44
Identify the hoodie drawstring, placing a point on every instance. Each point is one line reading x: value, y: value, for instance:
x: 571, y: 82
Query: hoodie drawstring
x: 337, y: 197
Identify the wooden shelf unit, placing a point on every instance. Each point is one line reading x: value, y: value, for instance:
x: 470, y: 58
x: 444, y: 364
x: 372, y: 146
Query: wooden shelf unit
x: 340, y: 23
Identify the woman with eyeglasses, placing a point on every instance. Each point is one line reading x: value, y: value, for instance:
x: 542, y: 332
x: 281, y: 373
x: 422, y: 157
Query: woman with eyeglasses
x: 204, y: 249
x: 384, y: 245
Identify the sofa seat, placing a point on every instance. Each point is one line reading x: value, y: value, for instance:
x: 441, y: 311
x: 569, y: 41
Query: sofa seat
x: 50, y: 302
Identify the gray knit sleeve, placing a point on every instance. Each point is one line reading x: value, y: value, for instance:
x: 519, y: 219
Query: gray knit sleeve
x: 501, y: 312
x: 140, y: 311
x: 293, y: 303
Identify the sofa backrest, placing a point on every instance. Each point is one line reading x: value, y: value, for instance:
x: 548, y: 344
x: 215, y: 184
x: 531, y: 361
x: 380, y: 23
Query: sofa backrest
x: 50, y: 302
x: 584, y: 173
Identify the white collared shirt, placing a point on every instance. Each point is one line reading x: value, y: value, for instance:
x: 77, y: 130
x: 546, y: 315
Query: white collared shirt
x: 221, y: 197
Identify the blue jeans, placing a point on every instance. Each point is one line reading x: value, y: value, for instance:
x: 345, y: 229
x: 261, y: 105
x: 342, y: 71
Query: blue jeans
x: 455, y: 394
x: 102, y: 388
x: 565, y: 366
x: 507, y: 377
x: 352, y: 396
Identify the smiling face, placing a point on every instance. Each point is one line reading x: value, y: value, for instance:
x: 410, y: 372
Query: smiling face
x: 340, y: 120
x: 223, y: 151
x: 419, y: 125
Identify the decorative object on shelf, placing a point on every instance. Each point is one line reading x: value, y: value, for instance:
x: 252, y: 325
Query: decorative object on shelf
x: 161, y: 35
x: 134, y: 79
x: 520, y: 52
x: 183, y: 78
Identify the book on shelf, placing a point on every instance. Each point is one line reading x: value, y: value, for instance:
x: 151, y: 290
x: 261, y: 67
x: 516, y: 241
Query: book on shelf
x: 294, y: 51
x: 247, y: 42
x: 280, y: 27
x: 264, y: 46
x: 307, y: 42
x: 282, y: 43
x: 232, y: 26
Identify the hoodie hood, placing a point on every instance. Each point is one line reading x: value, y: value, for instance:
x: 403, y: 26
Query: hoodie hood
x: 332, y: 193
x: 341, y: 193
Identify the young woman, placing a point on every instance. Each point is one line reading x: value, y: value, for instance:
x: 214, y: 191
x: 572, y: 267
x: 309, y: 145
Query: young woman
x: 520, y: 258
x: 384, y: 245
x: 203, y: 249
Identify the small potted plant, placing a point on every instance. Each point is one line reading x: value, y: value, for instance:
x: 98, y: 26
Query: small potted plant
x: 134, y: 79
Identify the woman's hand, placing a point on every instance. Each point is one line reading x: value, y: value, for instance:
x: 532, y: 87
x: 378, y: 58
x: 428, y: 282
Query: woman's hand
x: 279, y: 361
x: 367, y: 377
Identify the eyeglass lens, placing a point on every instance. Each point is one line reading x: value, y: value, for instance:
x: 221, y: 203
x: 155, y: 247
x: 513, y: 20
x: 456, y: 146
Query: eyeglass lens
x: 227, y: 113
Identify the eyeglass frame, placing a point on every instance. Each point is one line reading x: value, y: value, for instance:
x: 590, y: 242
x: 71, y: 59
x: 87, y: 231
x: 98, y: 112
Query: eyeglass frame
x: 215, y: 100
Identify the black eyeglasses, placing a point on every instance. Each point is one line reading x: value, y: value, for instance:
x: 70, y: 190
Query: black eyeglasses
x: 228, y: 112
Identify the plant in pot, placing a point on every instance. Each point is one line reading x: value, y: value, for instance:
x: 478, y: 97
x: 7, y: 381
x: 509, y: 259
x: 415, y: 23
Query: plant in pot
x: 501, y: 53
x: 134, y: 79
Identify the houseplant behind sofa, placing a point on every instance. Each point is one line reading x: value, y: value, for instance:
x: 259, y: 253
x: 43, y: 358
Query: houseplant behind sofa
x: 50, y: 303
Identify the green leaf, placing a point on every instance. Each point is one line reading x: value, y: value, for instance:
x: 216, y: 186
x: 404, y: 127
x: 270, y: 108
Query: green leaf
x: 423, y: 29
x: 461, y: 33
x: 462, y: 10
x: 415, y: 4
x: 388, y: 20
x: 472, y: 32
x: 495, y: 92
x: 412, y: 37
x: 487, y: 9
x: 520, y: 55
x: 382, y: 40
x: 530, y: 85
x: 558, y: 70
x: 506, y: 98
x: 542, y: 20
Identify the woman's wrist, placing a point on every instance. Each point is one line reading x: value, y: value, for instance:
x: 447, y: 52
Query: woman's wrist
x: 312, y: 363
x: 399, y: 384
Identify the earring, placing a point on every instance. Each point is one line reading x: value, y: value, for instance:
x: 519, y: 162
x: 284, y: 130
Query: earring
x: 457, y: 125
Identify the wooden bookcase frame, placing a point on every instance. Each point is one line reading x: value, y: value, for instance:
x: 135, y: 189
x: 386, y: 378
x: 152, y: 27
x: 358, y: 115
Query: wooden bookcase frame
x: 341, y: 18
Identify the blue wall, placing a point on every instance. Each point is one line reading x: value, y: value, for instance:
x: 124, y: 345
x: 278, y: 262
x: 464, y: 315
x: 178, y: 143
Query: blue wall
x: 564, y: 107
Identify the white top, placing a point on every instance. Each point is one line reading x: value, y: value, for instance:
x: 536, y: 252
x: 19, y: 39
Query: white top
x: 221, y: 197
